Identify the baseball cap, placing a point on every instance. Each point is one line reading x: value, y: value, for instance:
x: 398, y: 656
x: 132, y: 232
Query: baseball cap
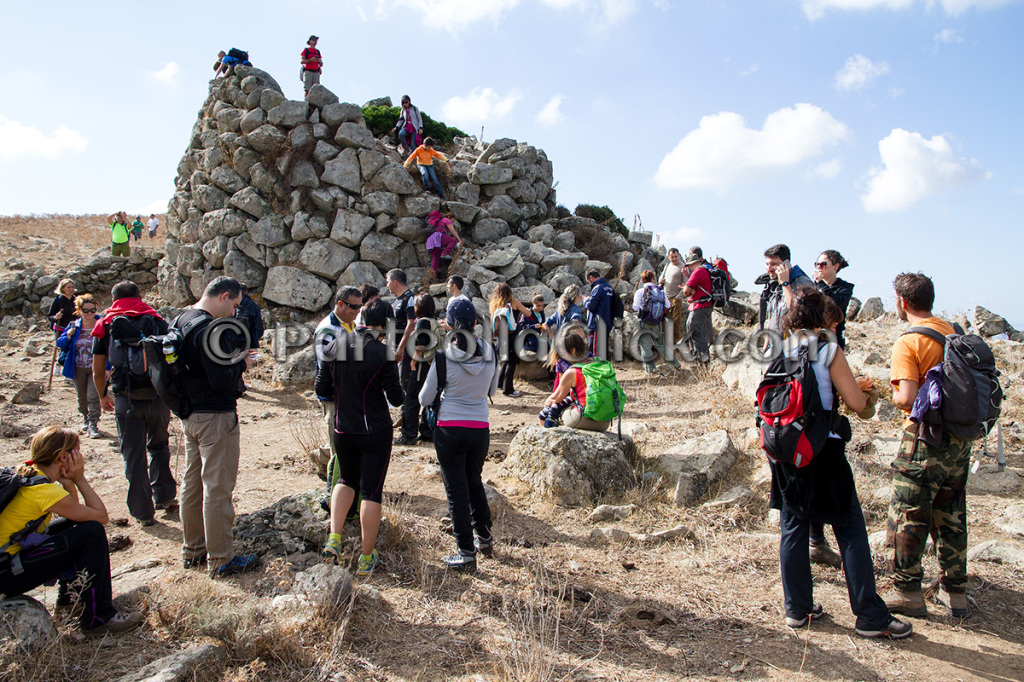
x: 692, y: 258
x: 461, y: 310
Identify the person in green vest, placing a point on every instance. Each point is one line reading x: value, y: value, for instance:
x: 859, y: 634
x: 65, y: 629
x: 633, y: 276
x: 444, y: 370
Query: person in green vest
x: 119, y: 234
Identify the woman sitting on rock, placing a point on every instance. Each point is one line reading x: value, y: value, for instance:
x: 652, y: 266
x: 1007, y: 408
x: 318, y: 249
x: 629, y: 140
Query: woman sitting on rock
x: 567, y: 401
x: 72, y: 551
x: 361, y: 383
x: 76, y: 342
x: 441, y: 242
x: 469, y: 372
x: 824, y: 490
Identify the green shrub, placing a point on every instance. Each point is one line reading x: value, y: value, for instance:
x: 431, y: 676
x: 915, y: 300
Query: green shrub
x: 604, y: 216
x: 381, y: 120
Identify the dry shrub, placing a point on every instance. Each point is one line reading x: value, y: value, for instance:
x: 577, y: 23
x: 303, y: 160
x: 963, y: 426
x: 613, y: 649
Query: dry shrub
x: 193, y: 606
x: 594, y: 241
x: 308, y: 431
x: 533, y: 616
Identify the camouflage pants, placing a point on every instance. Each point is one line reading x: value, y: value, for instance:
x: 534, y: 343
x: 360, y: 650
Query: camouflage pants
x: 928, y: 496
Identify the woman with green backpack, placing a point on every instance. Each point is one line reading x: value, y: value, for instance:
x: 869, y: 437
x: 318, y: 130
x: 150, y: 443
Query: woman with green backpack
x: 590, y: 380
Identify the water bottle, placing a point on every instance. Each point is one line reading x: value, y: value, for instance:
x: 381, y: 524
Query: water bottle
x: 170, y: 352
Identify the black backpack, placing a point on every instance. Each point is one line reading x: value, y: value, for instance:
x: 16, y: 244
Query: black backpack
x: 167, y: 371
x: 617, y: 309
x: 240, y: 55
x: 10, y: 483
x: 126, y: 354
x: 720, y: 289
x: 793, y: 423
x: 971, y: 395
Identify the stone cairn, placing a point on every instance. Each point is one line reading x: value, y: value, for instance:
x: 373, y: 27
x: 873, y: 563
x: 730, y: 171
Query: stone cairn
x: 298, y: 198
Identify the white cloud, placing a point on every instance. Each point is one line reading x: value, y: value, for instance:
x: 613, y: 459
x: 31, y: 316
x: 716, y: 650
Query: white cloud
x: 815, y: 9
x: 607, y: 12
x: 18, y: 140
x: 480, y: 106
x: 750, y: 70
x: 913, y: 169
x: 826, y: 170
x: 167, y: 75
x: 454, y: 15
x: 723, y: 151
x: 858, y: 72
x: 551, y: 114
x: 948, y: 36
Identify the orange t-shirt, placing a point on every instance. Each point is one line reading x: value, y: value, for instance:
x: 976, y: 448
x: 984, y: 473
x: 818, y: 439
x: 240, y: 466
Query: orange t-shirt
x: 424, y: 156
x: 914, y: 354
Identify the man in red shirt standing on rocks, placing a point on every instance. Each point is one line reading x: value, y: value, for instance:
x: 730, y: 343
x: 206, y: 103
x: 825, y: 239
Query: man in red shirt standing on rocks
x: 311, y: 64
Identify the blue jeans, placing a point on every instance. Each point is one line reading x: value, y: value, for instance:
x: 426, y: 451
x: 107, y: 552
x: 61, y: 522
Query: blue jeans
x: 407, y: 139
x: 795, y: 564
x: 429, y: 176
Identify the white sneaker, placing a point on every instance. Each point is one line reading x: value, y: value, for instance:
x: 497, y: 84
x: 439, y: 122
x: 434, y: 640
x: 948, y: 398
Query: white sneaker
x: 94, y: 432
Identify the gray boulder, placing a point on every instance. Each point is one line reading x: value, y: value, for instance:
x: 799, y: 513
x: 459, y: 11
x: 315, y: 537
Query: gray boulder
x: 504, y: 207
x: 244, y: 269
x: 324, y: 152
x: 182, y: 665
x: 320, y: 97
x: 395, y: 178
x: 298, y: 370
x: 486, y: 174
x: 305, y: 226
x: 209, y: 198
x: 571, y: 467
x: 489, y: 230
x: 381, y: 250
x: 361, y: 272
x: 871, y: 310
x: 350, y: 228
x: 289, y: 114
x: 853, y: 308
x: 325, y: 257
x: 382, y: 202
x: 697, y: 464
x: 227, y: 179
x: 353, y: 135
x: 744, y: 375
x: 293, y: 525
x: 999, y: 552
x: 296, y: 288
x: 270, y: 231
x: 987, y: 323
x: 341, y: 112
x: 1012, y: 521
x: 27, y: 622
x: 267, y: 139
x: 343, y: 171
x: 250, y: 201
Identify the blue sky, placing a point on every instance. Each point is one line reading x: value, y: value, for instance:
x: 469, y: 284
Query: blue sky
x: 886, y: 129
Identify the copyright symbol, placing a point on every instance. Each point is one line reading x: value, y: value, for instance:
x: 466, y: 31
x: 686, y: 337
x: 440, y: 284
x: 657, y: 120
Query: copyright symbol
x: 237, y: 341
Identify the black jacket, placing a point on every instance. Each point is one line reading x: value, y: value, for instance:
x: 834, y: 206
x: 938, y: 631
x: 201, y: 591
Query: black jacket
x: 359, y: 387
x: 248, y: 313
x: 213, y: 386
x: 841, y: 292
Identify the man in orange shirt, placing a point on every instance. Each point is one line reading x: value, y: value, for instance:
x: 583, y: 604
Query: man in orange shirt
x: 929, y: 478
x: 424, y: 156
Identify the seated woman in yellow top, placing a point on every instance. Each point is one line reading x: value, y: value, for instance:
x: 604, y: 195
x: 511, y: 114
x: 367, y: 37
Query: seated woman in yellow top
x: 424, y: 156
x: 40, y: 551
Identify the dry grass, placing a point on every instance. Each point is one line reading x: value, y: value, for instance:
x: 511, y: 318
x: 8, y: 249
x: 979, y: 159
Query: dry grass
x: 308, y: 430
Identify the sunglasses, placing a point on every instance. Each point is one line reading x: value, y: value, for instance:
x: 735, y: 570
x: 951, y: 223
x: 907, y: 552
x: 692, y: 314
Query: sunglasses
x: 353, y: 306
x: 821, y: 264
x: 88, y: 310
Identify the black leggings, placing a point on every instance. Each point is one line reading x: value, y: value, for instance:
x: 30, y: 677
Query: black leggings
x: 70, y: 548
x: 507, y: 372
x: 461, y: 452
x: 363, y: 462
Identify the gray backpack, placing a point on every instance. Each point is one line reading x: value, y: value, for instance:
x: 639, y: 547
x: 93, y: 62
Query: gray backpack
x: 971, y: 395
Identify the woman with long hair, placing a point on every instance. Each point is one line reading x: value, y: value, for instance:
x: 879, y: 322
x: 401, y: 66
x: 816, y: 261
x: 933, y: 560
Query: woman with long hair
x: 567, y: 310
x: 62, y: 309
x: 76, y: 342
x: 362, y: 382
x: 504, y: 322
x: 824, y: 491
x: 72, y: 551
x: 468, y: 370
x: 826, y: 269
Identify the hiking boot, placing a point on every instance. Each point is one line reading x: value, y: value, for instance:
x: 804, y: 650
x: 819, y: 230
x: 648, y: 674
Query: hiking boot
x: 907, y: 603
x: 167, y: 504
x: 146, y: 523
x: 465, y: 563
x: 193, y: 561
x: 405, y: 440
x: 239, y: 564
x: 955, y: 603
x: 484, y: 546
x: 333, y: 549
x: 822, y: 554
x: 119, y: 622
x: 93, y: 432
x: 817, y: 611
x: 894, y: 629
x: 367, y: 563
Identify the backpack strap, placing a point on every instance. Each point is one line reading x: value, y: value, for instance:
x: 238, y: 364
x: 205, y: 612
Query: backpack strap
x: 927, y: 331
x: 441, y: 368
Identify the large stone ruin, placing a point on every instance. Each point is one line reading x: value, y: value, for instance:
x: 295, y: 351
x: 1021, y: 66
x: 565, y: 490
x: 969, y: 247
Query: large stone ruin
x: 298, y: 198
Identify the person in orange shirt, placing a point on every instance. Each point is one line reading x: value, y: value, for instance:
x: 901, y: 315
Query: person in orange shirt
x: 929, y: 472
x: 424, y: 156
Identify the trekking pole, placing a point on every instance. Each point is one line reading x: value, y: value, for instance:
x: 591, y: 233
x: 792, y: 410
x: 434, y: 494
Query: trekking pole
x: 53, y: 362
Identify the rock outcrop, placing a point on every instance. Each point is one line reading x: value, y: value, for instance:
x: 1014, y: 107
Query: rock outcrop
x: 298, y: 198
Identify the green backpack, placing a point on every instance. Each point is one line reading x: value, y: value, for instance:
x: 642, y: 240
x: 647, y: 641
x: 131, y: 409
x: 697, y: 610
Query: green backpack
x: 605, y: 398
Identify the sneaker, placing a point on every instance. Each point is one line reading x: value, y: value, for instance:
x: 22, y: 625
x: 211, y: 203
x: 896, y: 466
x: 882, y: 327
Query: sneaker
x: 120, y: 622
x: 333, y: 549
x: 821, y: 553
x: 193, y: 561
x: 907, y: 603
x: 325, y: 503
x: 513, y: 394
x: 895, y: 629
x: 167, y: 504
x: 955, y: 603
x: 461, y: 562
x: 817, y: 611
x: 366, y: 563
x: 550, y: 423
x: 93, y: 432
x: 485, y: 547
x: 403, y: 440
x: 240, y: 563
x: 84, y: 428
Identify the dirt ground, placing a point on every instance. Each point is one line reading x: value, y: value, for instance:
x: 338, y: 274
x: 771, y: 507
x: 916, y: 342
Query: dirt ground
x: 552, y: 604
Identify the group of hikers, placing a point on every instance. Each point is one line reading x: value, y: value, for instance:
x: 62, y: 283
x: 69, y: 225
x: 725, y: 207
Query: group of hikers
x: 121, y: 232
x: 445, y: 390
